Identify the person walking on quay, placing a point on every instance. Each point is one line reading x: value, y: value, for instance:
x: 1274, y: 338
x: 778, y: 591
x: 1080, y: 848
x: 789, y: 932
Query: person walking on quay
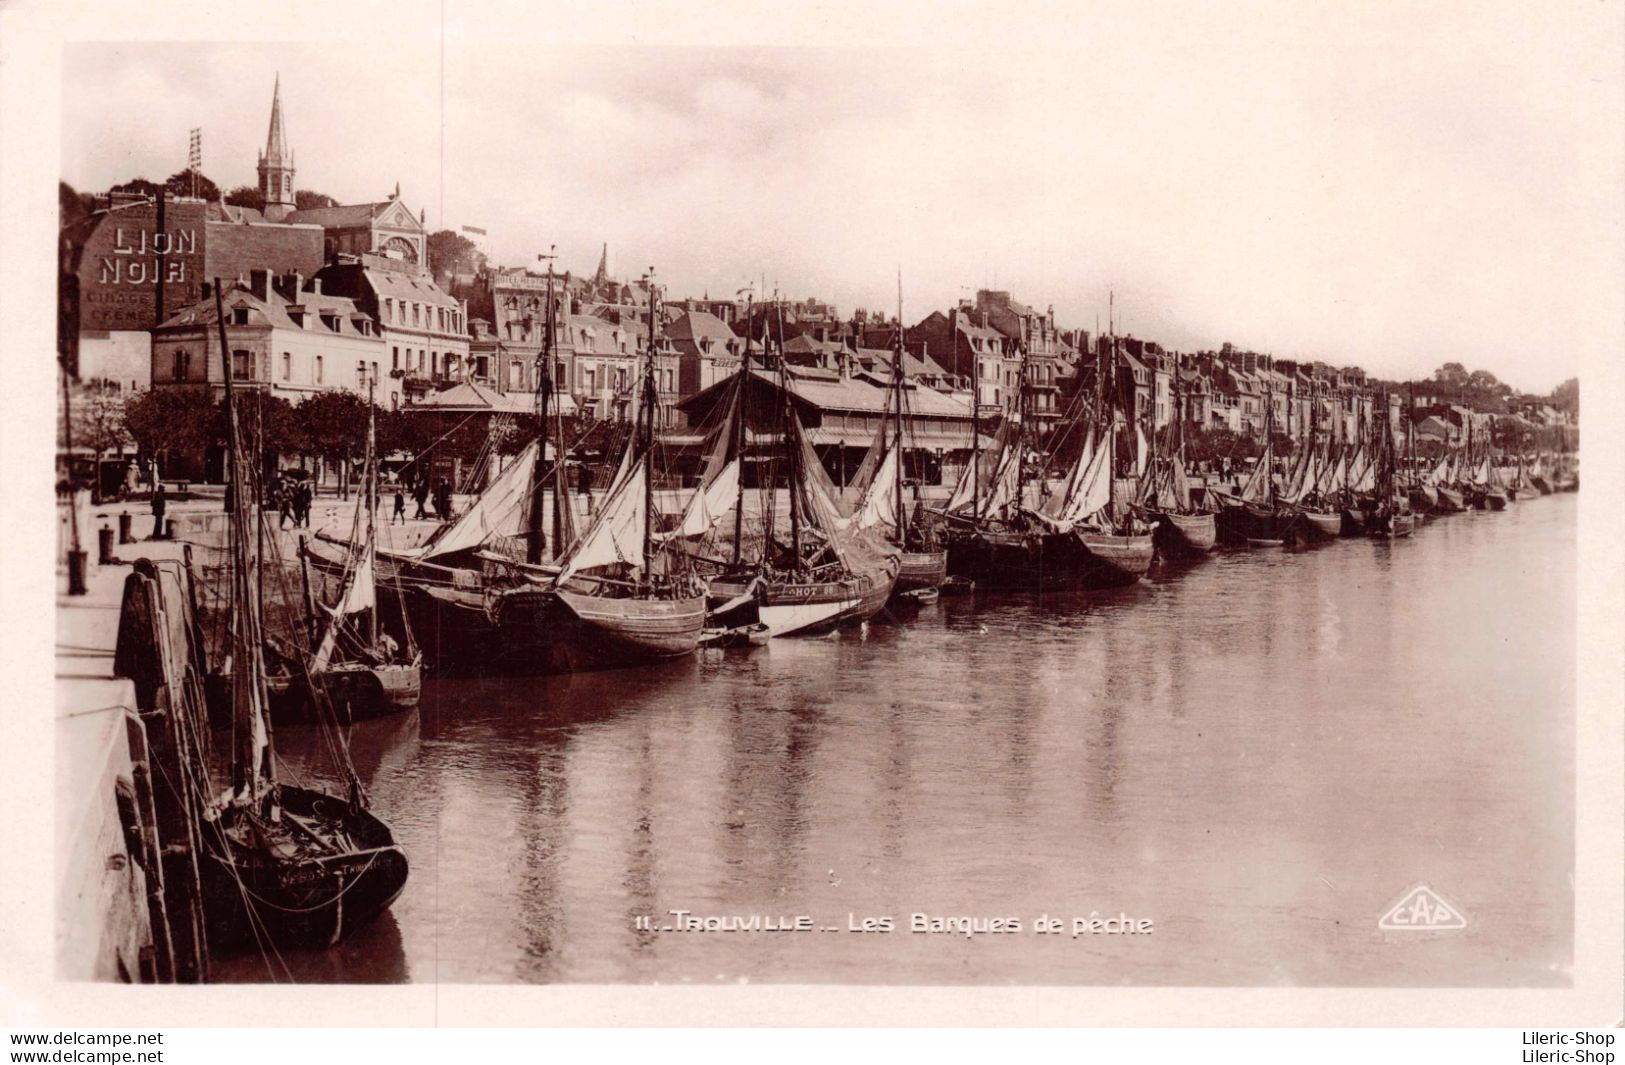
x: 442, y: 500
x: 159, y: 504
x: 584, y: 483
x: 420, y: 493
x: 284, y: 504
x: 400, y: 506
x: 303, y: 498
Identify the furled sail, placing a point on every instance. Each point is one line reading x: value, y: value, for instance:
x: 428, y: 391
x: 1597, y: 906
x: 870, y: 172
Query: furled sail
x: 499, y: 510
x: 1257, y: 488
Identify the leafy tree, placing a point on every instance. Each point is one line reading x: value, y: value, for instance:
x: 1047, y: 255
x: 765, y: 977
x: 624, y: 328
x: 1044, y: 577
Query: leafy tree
x: 172, y: 422
x: 306, y: 199
x: 140, y: 186
x: 449, y: 251
x: 74, y: 206
x: 181, y: 184
x: 1566, y: 396
x: 333, y: 424
x: 246, y: 196
x: 1453, y: 374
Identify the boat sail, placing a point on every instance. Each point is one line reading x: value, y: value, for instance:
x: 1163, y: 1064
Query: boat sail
x: 494, y: 594
x: 1183, y: 530
x: 284, y: 865
x: 361, y: 672
x: 835, y: 569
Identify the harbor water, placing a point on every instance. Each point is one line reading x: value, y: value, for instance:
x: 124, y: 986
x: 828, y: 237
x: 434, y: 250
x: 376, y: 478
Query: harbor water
x: 1260, y: 753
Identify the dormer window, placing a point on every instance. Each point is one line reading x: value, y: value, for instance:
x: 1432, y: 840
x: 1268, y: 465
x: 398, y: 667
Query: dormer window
x: 239, y: 316
x: 331, y: 321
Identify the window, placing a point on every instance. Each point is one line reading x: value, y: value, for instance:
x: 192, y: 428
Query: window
x: 389, y: 309
x: 361, y: 376
x: 239, y: 316
x: 434, y: 363
x: 589, y: 379
x: 318, y: 369
x: 375, y: 370
x: 395, y: 357
x: 416, y: 319
x: 179, y: 369
x: 240, y: 367
x: 287, y: 366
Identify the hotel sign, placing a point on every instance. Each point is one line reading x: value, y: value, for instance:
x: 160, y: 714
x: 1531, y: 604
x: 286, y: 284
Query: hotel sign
x: 130, y: 260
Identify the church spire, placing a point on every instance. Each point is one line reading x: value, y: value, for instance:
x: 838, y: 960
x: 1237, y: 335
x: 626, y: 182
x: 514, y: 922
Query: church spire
x: 276, y: 163
x: 603, y: 266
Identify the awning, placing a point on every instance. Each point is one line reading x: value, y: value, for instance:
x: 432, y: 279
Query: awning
x: 923, y: 438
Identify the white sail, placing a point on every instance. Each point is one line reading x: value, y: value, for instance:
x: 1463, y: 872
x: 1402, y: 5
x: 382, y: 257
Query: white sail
x: 1094, y: 489
x: 878, y: 507
x: 499, y: 510
x: 1142, y: 452
x: 1002, y: 492
x: 1075, y: 476
x: 616, y: 534
x: 1257, y: 487
x: 709, y: 504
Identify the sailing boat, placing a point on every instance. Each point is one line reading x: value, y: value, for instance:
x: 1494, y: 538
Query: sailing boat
x: 615, y: 596
x: 1390, y: 517
x: 283, y: 865
x: 1183, y: 530
x: 833, y: 571
x: 923, y: 562
x: 1255, y: 516
x: 358, y: 670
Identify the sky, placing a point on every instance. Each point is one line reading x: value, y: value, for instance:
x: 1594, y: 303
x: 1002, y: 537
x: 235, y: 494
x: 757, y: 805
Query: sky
x: 1386, y: 186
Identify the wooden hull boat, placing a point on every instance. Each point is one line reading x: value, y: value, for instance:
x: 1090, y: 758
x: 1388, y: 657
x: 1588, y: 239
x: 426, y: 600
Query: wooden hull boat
x: 1111, y: 560
x: 1392, y: 526
x: 754, y: 634
x: 1496, y: 500
x: 1184, y: 536
x: 357, y: 691
x: 1542, y: 485
x: 790, y: 608
x: 1240, y: 523
x: 1451, y: 500
x: 1009, y: 558
x: 1354, y: 519
x: 1319, y: 526
x: 958, y: 586
x: 1261, y: 542
x: 534, y: 629
x: 1424, y: 499
x: 321, y: 869
x: 921, y: 569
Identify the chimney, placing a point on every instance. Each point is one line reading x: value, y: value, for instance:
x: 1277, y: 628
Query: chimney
x: 316, y: 286
x: 259, y: 283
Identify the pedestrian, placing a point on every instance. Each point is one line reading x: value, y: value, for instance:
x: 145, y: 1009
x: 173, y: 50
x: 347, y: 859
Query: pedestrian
x: 302, y: 501
x: 584, y: 483
x: 284, y: 504
x: 400, y: 506
x: 420, y: 493
x: 442, y: 500
x: 159, y: 504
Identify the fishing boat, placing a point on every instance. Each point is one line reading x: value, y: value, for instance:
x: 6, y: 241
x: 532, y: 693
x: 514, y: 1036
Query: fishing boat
x: 923, y: 558
x: 1183, y: 529
x: 832, y: 570
x: 1391, y: 517
x: 282, y: 865
x: 355, y: 668
x: 492, y: 593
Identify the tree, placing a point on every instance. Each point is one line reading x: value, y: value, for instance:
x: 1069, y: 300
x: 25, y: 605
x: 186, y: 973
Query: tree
x: 1452, y: 374
x: 74, y: 206
x: 334, y: 425
x: 246, y: 196
x: 182, y: 184
x: 305, y: 199
x: 140, y: 186
x: 450, y: 252
x: 1566, y: 397
x: 98, y: 424
x: 172, y: 422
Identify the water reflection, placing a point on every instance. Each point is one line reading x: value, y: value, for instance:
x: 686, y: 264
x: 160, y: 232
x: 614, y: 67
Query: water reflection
x: 1259, y: 751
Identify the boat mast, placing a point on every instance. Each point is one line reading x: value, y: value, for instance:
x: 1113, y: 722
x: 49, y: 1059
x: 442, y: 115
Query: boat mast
x: 897, y: 385
x: 650, y: 400
x: 372, y: 505
x: 247, y: 669
x: 739, y: 437
x: 544, y: 389
x: 561, y: 497
x: 792, y: 455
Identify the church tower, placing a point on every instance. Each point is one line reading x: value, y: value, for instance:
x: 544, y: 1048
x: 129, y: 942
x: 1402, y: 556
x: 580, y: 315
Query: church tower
x: 276, y: 164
